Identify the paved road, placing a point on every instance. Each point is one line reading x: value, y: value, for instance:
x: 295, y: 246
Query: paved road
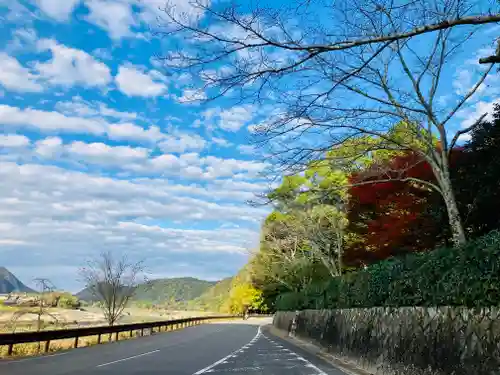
x: 213, y: 349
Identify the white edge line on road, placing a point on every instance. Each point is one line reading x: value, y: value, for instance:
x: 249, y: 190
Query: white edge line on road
x: 126, y: 359
x: 32, y: 359
x: 208, y: 368
x: 306, y: 362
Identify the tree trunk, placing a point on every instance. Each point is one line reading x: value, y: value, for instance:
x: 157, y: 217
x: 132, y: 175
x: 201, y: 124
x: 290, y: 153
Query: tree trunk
x: 457, y: 230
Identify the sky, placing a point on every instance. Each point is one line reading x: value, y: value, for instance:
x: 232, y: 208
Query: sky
x: 101, y: 149
x: 98, y: 150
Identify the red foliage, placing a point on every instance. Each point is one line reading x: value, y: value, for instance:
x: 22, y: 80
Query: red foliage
x: 391, y: 217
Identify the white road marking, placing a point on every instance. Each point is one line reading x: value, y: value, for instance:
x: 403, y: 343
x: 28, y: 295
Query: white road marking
x: 33, y: 359
x: 209, y: 368
x: 128, y: 358
x: 315, y: 368
x: 306, y: 362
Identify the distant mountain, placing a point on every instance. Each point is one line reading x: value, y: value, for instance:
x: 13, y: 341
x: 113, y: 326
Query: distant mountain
x: 9, y: 283
x: 85, y: 295
x: 172, y: 290
x: 162, y: 291
x: 88, y: 296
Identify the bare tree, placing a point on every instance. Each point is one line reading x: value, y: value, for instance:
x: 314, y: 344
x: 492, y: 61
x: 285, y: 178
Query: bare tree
x: 324, y: 229
x: 113, y: 282
x: 44, y: 286
x: 333, y: 72
x: 284, y: 256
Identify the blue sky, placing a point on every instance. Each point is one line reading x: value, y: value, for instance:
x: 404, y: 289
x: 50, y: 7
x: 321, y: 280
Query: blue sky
x: 99, y: 149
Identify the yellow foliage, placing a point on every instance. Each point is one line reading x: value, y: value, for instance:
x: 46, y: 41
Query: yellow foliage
x: 243, y: 297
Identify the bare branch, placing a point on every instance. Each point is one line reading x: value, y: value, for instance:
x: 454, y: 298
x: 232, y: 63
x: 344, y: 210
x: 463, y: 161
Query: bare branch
x: 466, y: 130
x: 113, y: 282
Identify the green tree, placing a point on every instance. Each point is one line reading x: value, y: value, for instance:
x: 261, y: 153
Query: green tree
x: 477, y: 177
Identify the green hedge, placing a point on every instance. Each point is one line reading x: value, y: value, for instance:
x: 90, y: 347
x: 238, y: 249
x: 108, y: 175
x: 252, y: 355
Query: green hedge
x: 464, y: 276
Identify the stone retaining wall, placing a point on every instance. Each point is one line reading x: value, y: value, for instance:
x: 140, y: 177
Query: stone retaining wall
x: 409, y: 341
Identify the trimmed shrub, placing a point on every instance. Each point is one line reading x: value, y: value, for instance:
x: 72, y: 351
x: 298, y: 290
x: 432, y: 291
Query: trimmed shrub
x: 465, y: 276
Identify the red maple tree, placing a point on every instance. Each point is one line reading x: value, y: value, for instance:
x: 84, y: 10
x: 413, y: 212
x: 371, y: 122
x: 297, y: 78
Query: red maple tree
x: 390, y: 213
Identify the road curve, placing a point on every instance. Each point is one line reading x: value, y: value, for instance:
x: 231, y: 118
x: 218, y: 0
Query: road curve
x: 213, y: 349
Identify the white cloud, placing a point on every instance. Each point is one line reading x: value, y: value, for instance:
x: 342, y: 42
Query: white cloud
x: 129, y: 131
x: 102, y: 53
x: 233, y: 119
x: 101, y: 153
x: 16, y: 12
x: 471, y: 115
x: 191, y: 96
x: 22, y: 39
x: 192, y: 165
x: 48, y: 121
x: 221, y: 142
x: 15, y: 77
x: 247, y: 149
x: 59, y: 218
x: 13, y: 140
x: 218, y: 167
x: 181, y: 142
x: 115, y: 17
x: 464, y: 138
x: 132, y: 81
x: 60, y: 10
x: 105, y: 111
x: 49, y: 147
x: 152, y: 9
x: 69, y: 66
x: 78, y: 106
x: 81, y: 117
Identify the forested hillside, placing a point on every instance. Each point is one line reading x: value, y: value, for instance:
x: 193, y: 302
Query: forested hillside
x: 170, y: 291
x: 214, y: 297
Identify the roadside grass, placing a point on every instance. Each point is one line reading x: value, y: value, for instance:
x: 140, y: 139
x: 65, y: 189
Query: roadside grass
x: 31, y: 349
x: 9, y: 308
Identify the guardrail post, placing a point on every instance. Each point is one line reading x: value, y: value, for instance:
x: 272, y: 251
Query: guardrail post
x: 47, y: 346
x: 99, y: 338
x: 142, y: 331
x: 76, y: 342
x: 116, y: 335
x: 10, y: 349
x: 131, y: 332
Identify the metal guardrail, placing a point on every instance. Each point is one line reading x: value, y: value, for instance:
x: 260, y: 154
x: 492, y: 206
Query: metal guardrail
x: 12, y: 339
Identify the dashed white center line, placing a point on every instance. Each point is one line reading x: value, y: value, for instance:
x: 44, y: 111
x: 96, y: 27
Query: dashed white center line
x: 128, y: 358
x: 233, y: 354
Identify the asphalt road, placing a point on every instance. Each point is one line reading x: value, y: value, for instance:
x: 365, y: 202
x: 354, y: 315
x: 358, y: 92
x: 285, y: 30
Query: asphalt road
x: 213, y: 349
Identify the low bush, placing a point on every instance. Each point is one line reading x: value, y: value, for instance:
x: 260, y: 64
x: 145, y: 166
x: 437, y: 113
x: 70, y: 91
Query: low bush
x: 465, y: 276
x: 68, y: 301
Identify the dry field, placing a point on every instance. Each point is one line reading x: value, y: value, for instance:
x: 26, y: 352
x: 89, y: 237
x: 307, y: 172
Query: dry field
x: 75, y: 318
